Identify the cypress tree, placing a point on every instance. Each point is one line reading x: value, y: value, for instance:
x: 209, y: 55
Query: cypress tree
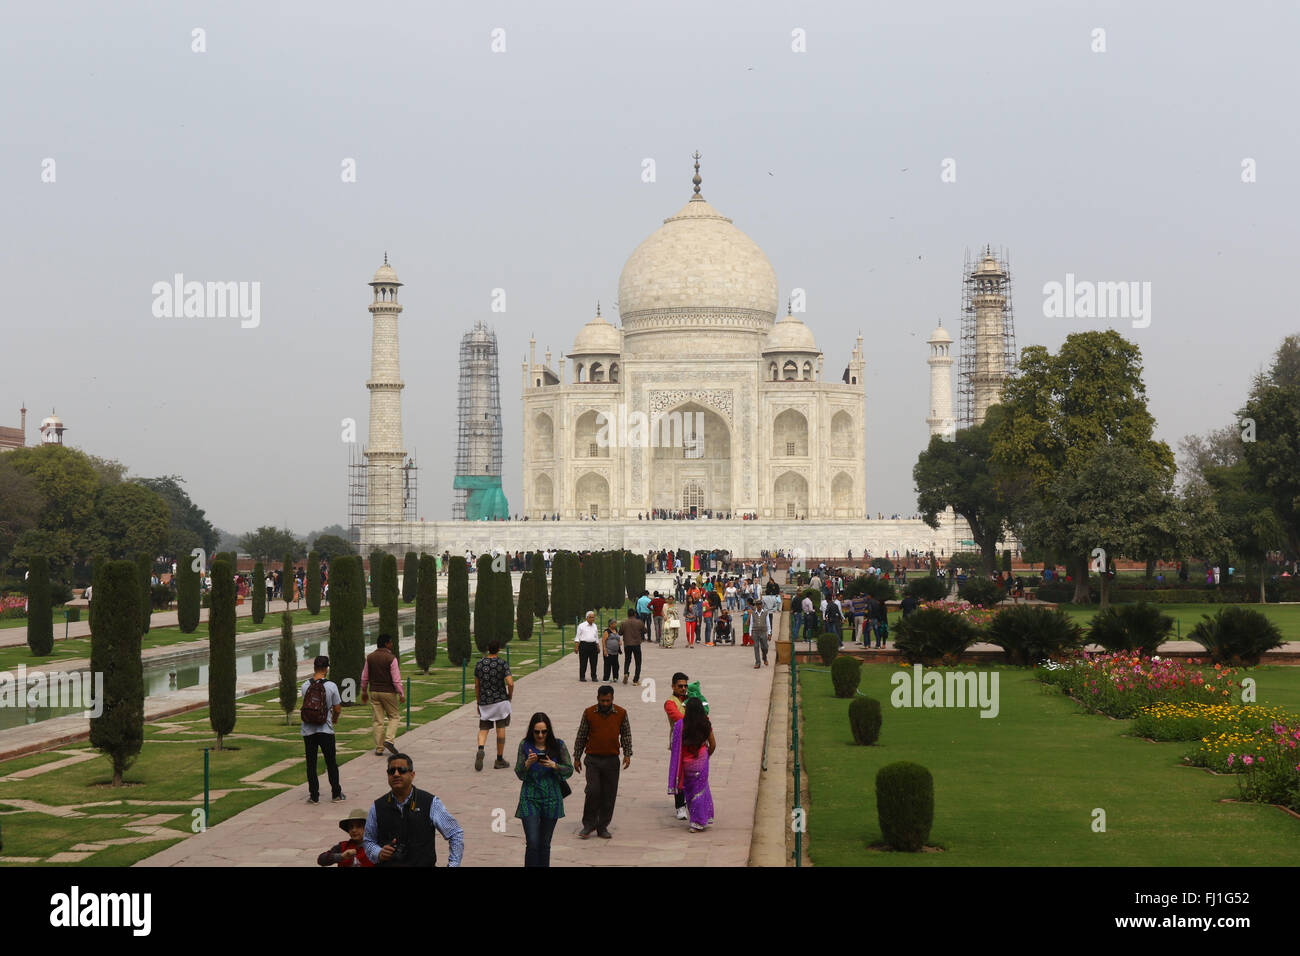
x: 457, y: 611
x: 118, y: 732
x: 376, y: 563
x: 503, y: 612
x: 485, y: 604
x: 410, y: 577
x: 259, y: 593
x: 313, y: 583
x: 144, y: 566
x: 630, y: 560
x: 187, y: 594
x: 614, y: 577
x: 288, y: 666
x: 426, y: 615
x: 96, y: 567
x: 221, y: 651
x: 561, y: 611
x: 40, y: 612
x: 526, y: 608
x: 287, y: 582
x: 347, y: 624
x: 541, y: 600
x: 388, y: 601
x: 593, y: 583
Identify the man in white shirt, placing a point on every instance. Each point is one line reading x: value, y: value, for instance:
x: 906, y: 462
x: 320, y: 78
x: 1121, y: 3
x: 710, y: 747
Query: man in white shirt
x: 587, y: 644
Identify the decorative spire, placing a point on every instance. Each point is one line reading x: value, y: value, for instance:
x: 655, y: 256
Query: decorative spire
x: 789, y: 307
x: 385, y: 257
x: 598, y: 308
x: 696, y: 156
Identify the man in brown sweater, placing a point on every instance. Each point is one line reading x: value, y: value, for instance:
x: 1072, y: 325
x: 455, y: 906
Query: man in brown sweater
x: 381, y: 682
x: 603, y: 731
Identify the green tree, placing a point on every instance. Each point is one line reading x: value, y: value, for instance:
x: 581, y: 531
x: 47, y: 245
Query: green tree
x: 1105, y: 505
x: 347, y: 623
x: 593, y: 582
x: 68, y: 485
x: 526, y: 608
x: 458, y: 646
x: 485, y: 605
x: 376, y: 563
x: 132, y: 519
x: 1251, y: 527
x: 388, y: 601
x: 144, y: 567
x: 313, y: 583
x: 118, y: 732
x: 410, y: 577
x: 1057, y: 411
x: 259, y: 593
x: 189, y: 527
x: 221, y: 651
x: 268, y: 542
x: 40, y: 612
x: 564, y: 582
x: 541, y: 599
x: 1269, y: 424
x: 503, y: 611
x: 287, y: 580
x: 330, y: 546
x: 960, y: 474
x: 187, y: 594
x: 288, y: 666
x: 21, y: 503
x: 426, y: 615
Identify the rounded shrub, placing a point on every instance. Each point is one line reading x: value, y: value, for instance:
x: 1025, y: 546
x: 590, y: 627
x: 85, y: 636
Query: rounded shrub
x: 828, y: 647
x: 1236, y: 635
x: 1030, y: 633
x: 1130, y: 627
x: 905, y: 805
x: 870, y: 586
x: 846, y: 674
x: 930, y: 634
x: 864, y: 720
x: 927, y: 588
x: 982, y: 592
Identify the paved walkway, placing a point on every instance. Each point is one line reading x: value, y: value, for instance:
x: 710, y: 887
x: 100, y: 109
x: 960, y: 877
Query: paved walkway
x: 287, y: 831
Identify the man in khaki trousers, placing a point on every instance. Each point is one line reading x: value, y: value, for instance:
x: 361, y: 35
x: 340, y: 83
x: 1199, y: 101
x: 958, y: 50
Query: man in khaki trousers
x: 381, y: 683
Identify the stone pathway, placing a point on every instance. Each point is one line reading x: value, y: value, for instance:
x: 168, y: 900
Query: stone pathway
x: 287, y: 831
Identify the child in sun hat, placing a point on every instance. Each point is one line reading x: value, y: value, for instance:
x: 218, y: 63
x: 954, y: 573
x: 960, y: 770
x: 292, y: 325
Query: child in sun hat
x: 349, y: 852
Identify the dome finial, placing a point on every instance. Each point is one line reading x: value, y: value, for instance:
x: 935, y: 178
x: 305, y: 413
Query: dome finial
x: 598, y: 308
x: 385, y: 257
x: 789, y: 306
x: 696, y: 179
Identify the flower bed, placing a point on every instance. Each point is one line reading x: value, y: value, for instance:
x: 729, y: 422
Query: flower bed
x: 978, y: 616
x: 1267, y: 760
x: 13, y: 605
x: 1196, y: 720
x: 1122, y: 684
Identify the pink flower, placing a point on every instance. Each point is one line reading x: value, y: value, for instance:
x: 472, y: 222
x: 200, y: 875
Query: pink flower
x: 1248, y: 760
x: 1231, y: 758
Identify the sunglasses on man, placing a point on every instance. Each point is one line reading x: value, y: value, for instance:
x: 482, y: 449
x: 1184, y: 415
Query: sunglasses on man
x: 398, y: 770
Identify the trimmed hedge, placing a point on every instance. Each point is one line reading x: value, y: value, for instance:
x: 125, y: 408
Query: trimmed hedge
x: 426, y: 615
x: 905, y: 805
x: 313, y: 583
x: 187, y: 595
x: 846, y: 674
x: 864, y: 720
x: 928, y: 588
x: 458, y: 610
x: 259, y: 593
x: 288, y: 666
x: 118, y: 732
x: 388, y: 602
x: 40, y: 612
x: 221, y: 651
x: 871, y: 585
x: 828, y: 647
x: 410, y: 577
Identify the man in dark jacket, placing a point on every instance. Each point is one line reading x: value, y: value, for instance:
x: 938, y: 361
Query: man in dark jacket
x: 400, y: 824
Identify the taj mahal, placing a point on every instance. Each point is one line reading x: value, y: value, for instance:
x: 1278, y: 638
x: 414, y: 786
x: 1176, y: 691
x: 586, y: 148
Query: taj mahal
x: 701, y: 404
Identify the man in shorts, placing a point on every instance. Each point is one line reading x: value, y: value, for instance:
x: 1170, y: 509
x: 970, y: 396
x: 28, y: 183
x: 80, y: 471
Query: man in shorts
x: 493, y: 688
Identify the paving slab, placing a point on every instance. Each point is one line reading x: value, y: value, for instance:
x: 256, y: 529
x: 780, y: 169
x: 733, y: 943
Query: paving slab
x: 287, y: 831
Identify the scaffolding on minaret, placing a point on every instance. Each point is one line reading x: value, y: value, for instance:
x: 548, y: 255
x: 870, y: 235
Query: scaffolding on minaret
x: 358, y: 499
x: 476, y: 488
x: 988, y: 333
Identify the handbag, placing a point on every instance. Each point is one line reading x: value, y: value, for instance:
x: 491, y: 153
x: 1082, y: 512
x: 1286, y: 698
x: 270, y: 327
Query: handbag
x: 565, y: 789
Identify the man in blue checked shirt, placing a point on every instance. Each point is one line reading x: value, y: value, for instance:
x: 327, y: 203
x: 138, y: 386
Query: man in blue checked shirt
x: 400, y: 824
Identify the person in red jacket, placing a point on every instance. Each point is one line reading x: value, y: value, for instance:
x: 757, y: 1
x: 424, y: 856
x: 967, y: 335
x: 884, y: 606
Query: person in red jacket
x: 349, y: 852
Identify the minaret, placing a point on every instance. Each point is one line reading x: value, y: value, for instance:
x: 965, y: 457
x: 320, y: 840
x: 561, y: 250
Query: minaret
x: 989, y: 300
x: 941, y: 421
x: 385, y: 455
x: 477, y: 492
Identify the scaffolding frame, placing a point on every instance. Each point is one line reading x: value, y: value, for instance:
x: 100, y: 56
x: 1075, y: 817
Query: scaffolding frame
x: 358, y: 497
x: 967, y: 366
x: 478, y: 412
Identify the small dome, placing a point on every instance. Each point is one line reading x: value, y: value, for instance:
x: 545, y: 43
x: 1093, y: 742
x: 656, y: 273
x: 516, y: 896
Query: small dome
x: 52, y: 422
x: 385, y: 274
x: 598, y: 337
x: 940, y: 335
x: 790, y: 335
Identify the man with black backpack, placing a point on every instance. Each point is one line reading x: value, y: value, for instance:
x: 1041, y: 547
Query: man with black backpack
x: 321, y: 706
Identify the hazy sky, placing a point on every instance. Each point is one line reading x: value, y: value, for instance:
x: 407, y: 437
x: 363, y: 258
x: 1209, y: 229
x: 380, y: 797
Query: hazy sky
x: 522, y: 170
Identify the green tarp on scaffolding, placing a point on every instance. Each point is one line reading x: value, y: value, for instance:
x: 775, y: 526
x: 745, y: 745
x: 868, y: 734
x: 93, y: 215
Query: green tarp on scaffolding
x: 486, y: 501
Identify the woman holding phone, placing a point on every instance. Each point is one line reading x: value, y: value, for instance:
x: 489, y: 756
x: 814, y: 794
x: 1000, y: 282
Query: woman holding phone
x: 543, y: 764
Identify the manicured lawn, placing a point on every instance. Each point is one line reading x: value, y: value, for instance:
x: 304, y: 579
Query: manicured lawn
x: 169, y: 772
x: 1020, y: 789
x: 1187, y: 616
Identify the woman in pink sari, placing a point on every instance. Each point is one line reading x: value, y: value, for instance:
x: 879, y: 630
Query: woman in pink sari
x: 688, y: 766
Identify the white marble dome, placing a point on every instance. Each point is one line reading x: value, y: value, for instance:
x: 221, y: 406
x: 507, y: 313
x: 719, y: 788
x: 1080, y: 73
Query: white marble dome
x: 385, y: 275
x: 790, y: 335
x: 597, y: 337
x: 697, y: 260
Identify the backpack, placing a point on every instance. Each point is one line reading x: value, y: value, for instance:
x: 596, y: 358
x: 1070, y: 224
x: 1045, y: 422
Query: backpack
x: 314, y: 709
